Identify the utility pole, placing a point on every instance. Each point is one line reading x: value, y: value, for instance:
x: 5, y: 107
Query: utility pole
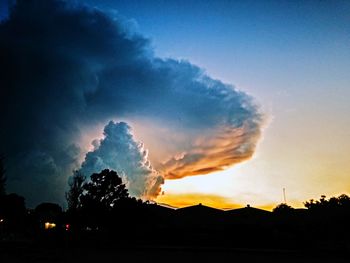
x: 284, y: 195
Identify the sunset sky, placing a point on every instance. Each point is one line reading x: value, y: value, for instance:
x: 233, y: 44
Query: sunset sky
x: 294, y: 58
x: 291, y: 57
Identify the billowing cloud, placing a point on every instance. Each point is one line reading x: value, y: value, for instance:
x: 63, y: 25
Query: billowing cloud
x: 119, y: 151
x: 214, y: 152
x: 67, y: 69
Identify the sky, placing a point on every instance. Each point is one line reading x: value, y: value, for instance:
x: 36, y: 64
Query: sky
x: 291, y: 57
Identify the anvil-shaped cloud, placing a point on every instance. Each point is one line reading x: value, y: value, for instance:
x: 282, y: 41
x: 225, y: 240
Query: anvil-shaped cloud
x: 67, y: 69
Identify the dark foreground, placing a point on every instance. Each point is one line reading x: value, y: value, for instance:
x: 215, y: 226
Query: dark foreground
x: 143, y: 232
x: 26, y: 252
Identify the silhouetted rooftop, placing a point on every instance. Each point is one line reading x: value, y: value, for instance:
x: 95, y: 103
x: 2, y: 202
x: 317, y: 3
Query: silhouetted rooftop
x: 248, y: 210
x: 199, y: 209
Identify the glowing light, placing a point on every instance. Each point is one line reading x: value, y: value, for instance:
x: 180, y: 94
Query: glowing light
x: 49, y: 225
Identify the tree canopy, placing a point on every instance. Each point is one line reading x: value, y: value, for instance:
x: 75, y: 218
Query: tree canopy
x: 282, y: 208
x: 340, y: 202
x: 76, y: 189
x: 105, y: 189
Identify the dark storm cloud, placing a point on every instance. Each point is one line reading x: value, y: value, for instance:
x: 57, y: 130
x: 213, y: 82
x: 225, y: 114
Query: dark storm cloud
x: 64, y: 69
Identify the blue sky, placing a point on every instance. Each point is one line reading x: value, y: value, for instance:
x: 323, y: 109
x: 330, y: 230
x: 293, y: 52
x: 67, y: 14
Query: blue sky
x: 265, y: 47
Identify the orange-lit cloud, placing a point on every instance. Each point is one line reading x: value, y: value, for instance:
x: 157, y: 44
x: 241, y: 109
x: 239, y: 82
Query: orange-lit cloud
x: 188, y: 199
x: 219, y: 150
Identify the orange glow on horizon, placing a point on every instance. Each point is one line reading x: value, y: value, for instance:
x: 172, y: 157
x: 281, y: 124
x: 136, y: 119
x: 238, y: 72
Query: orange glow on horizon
x: 183, y: 200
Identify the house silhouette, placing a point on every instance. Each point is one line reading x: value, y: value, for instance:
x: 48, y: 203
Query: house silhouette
x: 248, y: 216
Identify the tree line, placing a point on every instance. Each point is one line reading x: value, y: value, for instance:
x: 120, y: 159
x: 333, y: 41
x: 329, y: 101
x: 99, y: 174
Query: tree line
x: 100, y: 208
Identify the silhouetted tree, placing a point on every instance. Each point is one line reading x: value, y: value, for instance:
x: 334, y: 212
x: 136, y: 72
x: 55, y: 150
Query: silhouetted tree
x: 318, y: 204
x: 344, y: 201
x: 103, y: 193
x: 283, y: 208
x: 331, y: 214
x: 333, y: 207
x: 2, y: 177
x: 75, y: 191
x: 341, y: 201
x: 104, y: 189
